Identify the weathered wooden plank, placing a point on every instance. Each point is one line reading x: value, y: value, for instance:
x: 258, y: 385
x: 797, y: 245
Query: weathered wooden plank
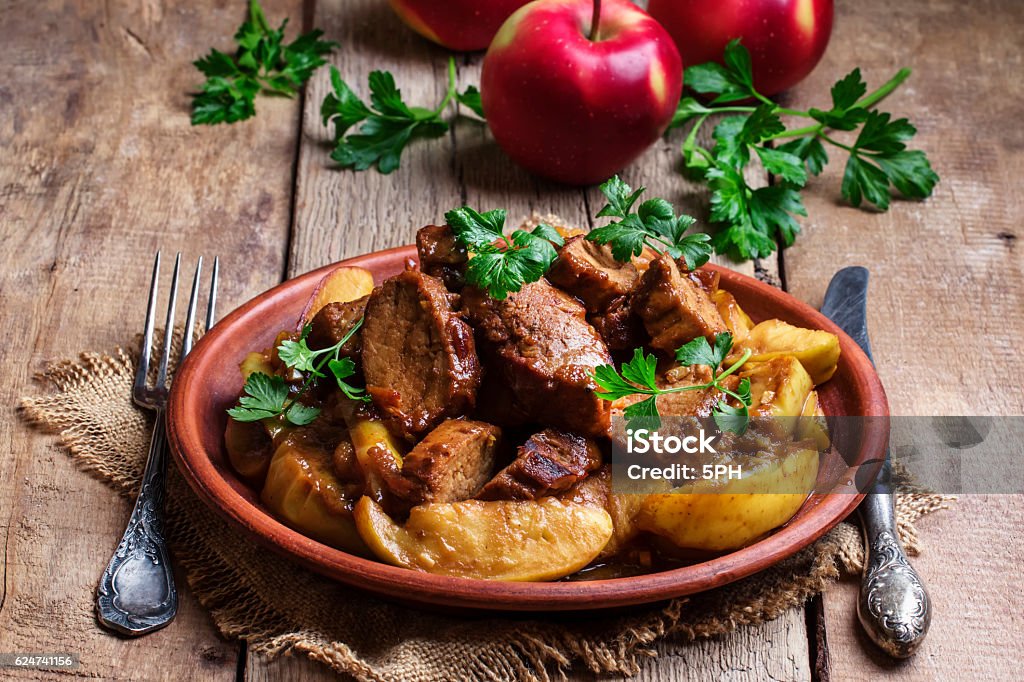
x: 970, y: 567
x: 101, y: 168
x: 341, y: 213
x: 947, y: 275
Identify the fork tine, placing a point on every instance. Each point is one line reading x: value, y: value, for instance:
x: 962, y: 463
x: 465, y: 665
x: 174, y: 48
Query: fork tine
x: 147, y: 337
x: 190, y: 316
x: 161, y: 377
x: 212, y: 306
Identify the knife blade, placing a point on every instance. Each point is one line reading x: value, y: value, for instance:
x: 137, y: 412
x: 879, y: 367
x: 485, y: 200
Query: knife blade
x: 893, y: 605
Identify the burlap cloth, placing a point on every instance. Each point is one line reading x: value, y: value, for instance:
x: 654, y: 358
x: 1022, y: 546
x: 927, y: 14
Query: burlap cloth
x: 279, y: 608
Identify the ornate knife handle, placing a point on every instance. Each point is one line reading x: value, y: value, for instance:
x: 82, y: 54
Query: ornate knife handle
x: 136, y: 594
x: 893, y: 605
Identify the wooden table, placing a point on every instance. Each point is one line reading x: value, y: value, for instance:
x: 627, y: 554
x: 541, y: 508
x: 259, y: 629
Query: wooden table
x: 100, y: 168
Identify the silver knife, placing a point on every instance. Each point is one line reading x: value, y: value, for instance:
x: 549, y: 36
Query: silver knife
x: 893, y: 606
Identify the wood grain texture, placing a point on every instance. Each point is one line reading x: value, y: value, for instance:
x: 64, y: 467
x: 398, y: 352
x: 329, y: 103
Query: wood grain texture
x: 946, y: 300
x: 101, y: 168
x: 971, y: 569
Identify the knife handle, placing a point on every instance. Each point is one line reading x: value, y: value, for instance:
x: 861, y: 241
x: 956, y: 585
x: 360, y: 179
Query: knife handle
x: 894, y: 606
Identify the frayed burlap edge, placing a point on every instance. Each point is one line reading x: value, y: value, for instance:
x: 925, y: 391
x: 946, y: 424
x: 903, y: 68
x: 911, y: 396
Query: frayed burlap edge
x: 280, y: 608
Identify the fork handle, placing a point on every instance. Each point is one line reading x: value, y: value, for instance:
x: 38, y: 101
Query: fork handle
x: 136, y: 593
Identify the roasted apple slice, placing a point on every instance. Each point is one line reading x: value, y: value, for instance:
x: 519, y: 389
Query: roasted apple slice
x: 738, y: 322
x: 339, y: 286
x: 778, y: 389
x: 817, y: 350
x: 723, y: 515
x: 302, y: 489
x: 813, y: 426
x: 502, y: 540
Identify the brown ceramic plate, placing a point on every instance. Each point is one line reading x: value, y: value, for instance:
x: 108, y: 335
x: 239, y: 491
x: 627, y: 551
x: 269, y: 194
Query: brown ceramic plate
x: 209, y: 382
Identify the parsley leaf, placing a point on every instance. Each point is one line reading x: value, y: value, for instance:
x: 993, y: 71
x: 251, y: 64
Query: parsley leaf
x: 263, y: 396
x: 471, y: 98
x: 300, y: 415
x: 700, y: 352
x: 781, y: 163
x: 687, y: 109
x: 879, y: 158
x: 909, y: 172
x: 751, y: 223
x: 643, y: 414
x: 342, y: 106
x: 772, y: 210
x: 384, y: 130
x: 844, y: 114
x: 731, y: 82
x: 296, y: 355
x: 613, y: 386
x: 654, y: 224
x: 501, y: 265
x: 262, y: 62
x: 473, y: 227
x: 387, y: 124
x: 343, y: 369
x: 729, y: 418
x: 266, y: 396
x: 637, y: 377
x: 864, y: 180
x: 810, y: 150
x: 731, y: 201
x: 640, y: 370
x: 620, y: 196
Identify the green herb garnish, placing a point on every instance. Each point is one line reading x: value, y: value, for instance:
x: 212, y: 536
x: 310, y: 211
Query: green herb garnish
x: 267, y: 396
x: 388, y: 124
x: 262, y: 62
x: 502, y: 264
x: 653, y: 224
x: 637, y: 377
x: 752, y: 220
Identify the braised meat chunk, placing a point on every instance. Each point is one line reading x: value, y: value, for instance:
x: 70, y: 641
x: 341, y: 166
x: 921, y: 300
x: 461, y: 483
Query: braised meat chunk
x: 590, y: 273
x: 452, y: 462
x: 618, y: 325
x: 419, y: 358
x: 441, y: 255
x: 333, y: 322
x: 549, y: 462
x: 673, y: 307
x: 538, y: 343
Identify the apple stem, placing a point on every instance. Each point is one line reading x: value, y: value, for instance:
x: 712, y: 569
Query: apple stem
x: 595, y: 21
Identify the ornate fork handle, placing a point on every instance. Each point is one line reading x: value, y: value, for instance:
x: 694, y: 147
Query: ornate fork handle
x: 136, y: 593
x: 893, y: 605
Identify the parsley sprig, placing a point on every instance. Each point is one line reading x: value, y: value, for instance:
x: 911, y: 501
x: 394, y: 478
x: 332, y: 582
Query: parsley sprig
x: 388, y: 124
x: 754, y: 220
x: 653, y: 224
x: 262, y: 62
x: 502, y: 264
x: 267, y: 396
x: 637, y: 377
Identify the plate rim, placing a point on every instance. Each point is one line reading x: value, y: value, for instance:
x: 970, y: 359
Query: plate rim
x: 407, y: 585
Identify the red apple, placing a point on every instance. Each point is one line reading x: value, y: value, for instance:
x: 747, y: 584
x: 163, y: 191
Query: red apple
x: 463, y: 25
x: 786, y: 38
x: 576, y: 108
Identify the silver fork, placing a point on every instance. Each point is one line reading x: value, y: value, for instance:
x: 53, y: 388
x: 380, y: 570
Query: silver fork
x: 136, y: 593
